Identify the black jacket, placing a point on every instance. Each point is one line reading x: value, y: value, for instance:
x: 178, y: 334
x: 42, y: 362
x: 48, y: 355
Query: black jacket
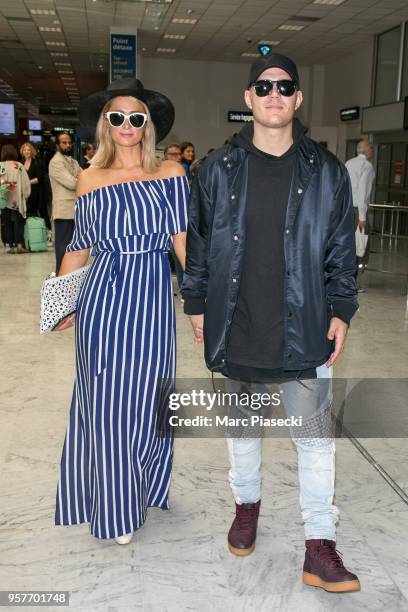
x: 319, y: 247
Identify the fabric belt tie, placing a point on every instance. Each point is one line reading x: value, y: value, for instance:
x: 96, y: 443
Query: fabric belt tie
x: 114, y: 269
x: 115, y: 265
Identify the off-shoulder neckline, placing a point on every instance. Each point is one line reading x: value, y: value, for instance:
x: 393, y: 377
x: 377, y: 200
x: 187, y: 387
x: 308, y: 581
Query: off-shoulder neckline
x: 165, y: 178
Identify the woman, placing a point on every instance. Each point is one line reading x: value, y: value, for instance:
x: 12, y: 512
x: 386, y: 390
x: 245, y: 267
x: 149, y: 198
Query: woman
x: 88, y: 151
x: 35, y: 173
x: 14, y: 214
x: 114, y: 465
x: 187, y: 156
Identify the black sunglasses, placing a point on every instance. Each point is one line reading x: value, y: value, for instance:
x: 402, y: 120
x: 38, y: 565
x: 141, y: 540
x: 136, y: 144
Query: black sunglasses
x: 284, y: 86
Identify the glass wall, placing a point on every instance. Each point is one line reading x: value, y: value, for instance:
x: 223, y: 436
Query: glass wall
x: 388, y: 54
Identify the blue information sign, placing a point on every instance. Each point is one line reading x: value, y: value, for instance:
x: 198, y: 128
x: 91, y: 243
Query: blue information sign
x: 123, y: 56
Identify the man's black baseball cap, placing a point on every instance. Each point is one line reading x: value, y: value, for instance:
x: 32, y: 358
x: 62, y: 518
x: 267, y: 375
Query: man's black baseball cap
x: 273, y: 60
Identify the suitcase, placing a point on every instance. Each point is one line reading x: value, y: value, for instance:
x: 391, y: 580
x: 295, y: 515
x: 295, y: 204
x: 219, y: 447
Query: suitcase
x: 36, y: 234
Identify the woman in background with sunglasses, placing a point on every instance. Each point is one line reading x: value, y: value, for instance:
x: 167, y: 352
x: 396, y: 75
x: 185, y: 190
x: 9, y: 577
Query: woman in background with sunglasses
x: 130, y: 207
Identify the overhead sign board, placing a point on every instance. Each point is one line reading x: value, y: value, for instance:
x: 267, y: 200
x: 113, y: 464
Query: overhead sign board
x: 350, y: 114
x: 46, y: 109
x: 123, y: 54
x: 240, y: 116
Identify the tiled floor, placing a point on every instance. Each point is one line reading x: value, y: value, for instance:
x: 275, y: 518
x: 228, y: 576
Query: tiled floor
x: 178, y: 560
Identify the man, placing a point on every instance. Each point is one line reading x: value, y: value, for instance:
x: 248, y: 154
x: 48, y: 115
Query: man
x: 88, y: 151
x: 64, y: 171
x: 362, y: 177
x: 173, y: 152
x: 271, y: 261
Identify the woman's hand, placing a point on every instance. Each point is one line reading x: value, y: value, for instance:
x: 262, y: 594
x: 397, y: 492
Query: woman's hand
x: 66, y: 323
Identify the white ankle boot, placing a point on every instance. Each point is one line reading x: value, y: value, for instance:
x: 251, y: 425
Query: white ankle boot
x: 125, y: 539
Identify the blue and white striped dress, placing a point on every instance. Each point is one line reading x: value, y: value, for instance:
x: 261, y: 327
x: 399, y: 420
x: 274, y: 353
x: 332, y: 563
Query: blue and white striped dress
x: 114, y: 465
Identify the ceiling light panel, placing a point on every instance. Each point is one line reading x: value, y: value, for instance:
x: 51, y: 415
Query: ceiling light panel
x: 49, y: 29
x: 42, y: 12
x: 330, y: 2
x: 175, y: 36
x: 54, y: 43
x: 186, y: 21
x: 292, y: 28
x: 165, y: 50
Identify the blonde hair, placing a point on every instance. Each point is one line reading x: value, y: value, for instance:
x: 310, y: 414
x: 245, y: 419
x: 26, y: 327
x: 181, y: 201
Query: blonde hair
x: 105, y: 152
x: 32, y: 149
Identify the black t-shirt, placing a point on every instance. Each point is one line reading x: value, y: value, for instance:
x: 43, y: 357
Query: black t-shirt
x: 256, y: 341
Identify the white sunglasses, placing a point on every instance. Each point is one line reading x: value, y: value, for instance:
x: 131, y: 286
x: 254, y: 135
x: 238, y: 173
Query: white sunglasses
x: 117, y: 119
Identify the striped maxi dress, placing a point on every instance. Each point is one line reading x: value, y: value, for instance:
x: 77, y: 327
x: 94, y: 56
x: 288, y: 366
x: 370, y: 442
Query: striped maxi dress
x: 114, y: 465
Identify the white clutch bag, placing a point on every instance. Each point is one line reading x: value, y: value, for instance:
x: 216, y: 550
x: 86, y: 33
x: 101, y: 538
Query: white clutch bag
x: 59, y: 297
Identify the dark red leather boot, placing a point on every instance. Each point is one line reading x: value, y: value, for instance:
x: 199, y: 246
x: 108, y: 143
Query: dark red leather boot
x: 324, y: 568
x: 242, y: 534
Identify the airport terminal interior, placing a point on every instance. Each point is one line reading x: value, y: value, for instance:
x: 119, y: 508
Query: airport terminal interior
x: 352, y: 57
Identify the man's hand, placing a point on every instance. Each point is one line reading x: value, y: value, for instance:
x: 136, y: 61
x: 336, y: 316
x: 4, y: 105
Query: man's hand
x: 66, y: 323
x: 362, y: 225
x: 337, y: 331
x: 197, y: 322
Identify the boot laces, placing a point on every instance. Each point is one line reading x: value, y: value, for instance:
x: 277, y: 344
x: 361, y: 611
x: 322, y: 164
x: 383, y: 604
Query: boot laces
x: 246, y: 516
x: 332, y: 555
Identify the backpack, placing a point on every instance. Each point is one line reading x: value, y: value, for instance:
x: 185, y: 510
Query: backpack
x: 36, y: 234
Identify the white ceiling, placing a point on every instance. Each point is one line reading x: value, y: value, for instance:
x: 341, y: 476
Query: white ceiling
x: 225, y: 29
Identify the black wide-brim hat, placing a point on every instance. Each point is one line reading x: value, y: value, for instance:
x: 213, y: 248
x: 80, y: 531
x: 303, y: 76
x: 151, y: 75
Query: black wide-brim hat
x: 160, y: 107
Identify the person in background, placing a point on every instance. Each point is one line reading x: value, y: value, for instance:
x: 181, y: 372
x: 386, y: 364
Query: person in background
x: 35, y: 171
x: 46, y: 153
x: 173, y: 152
x: 362, y: 178
x: 15, y: 212
x: 64, y: 171
x: 88, y: 151
x: 187, y: 156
